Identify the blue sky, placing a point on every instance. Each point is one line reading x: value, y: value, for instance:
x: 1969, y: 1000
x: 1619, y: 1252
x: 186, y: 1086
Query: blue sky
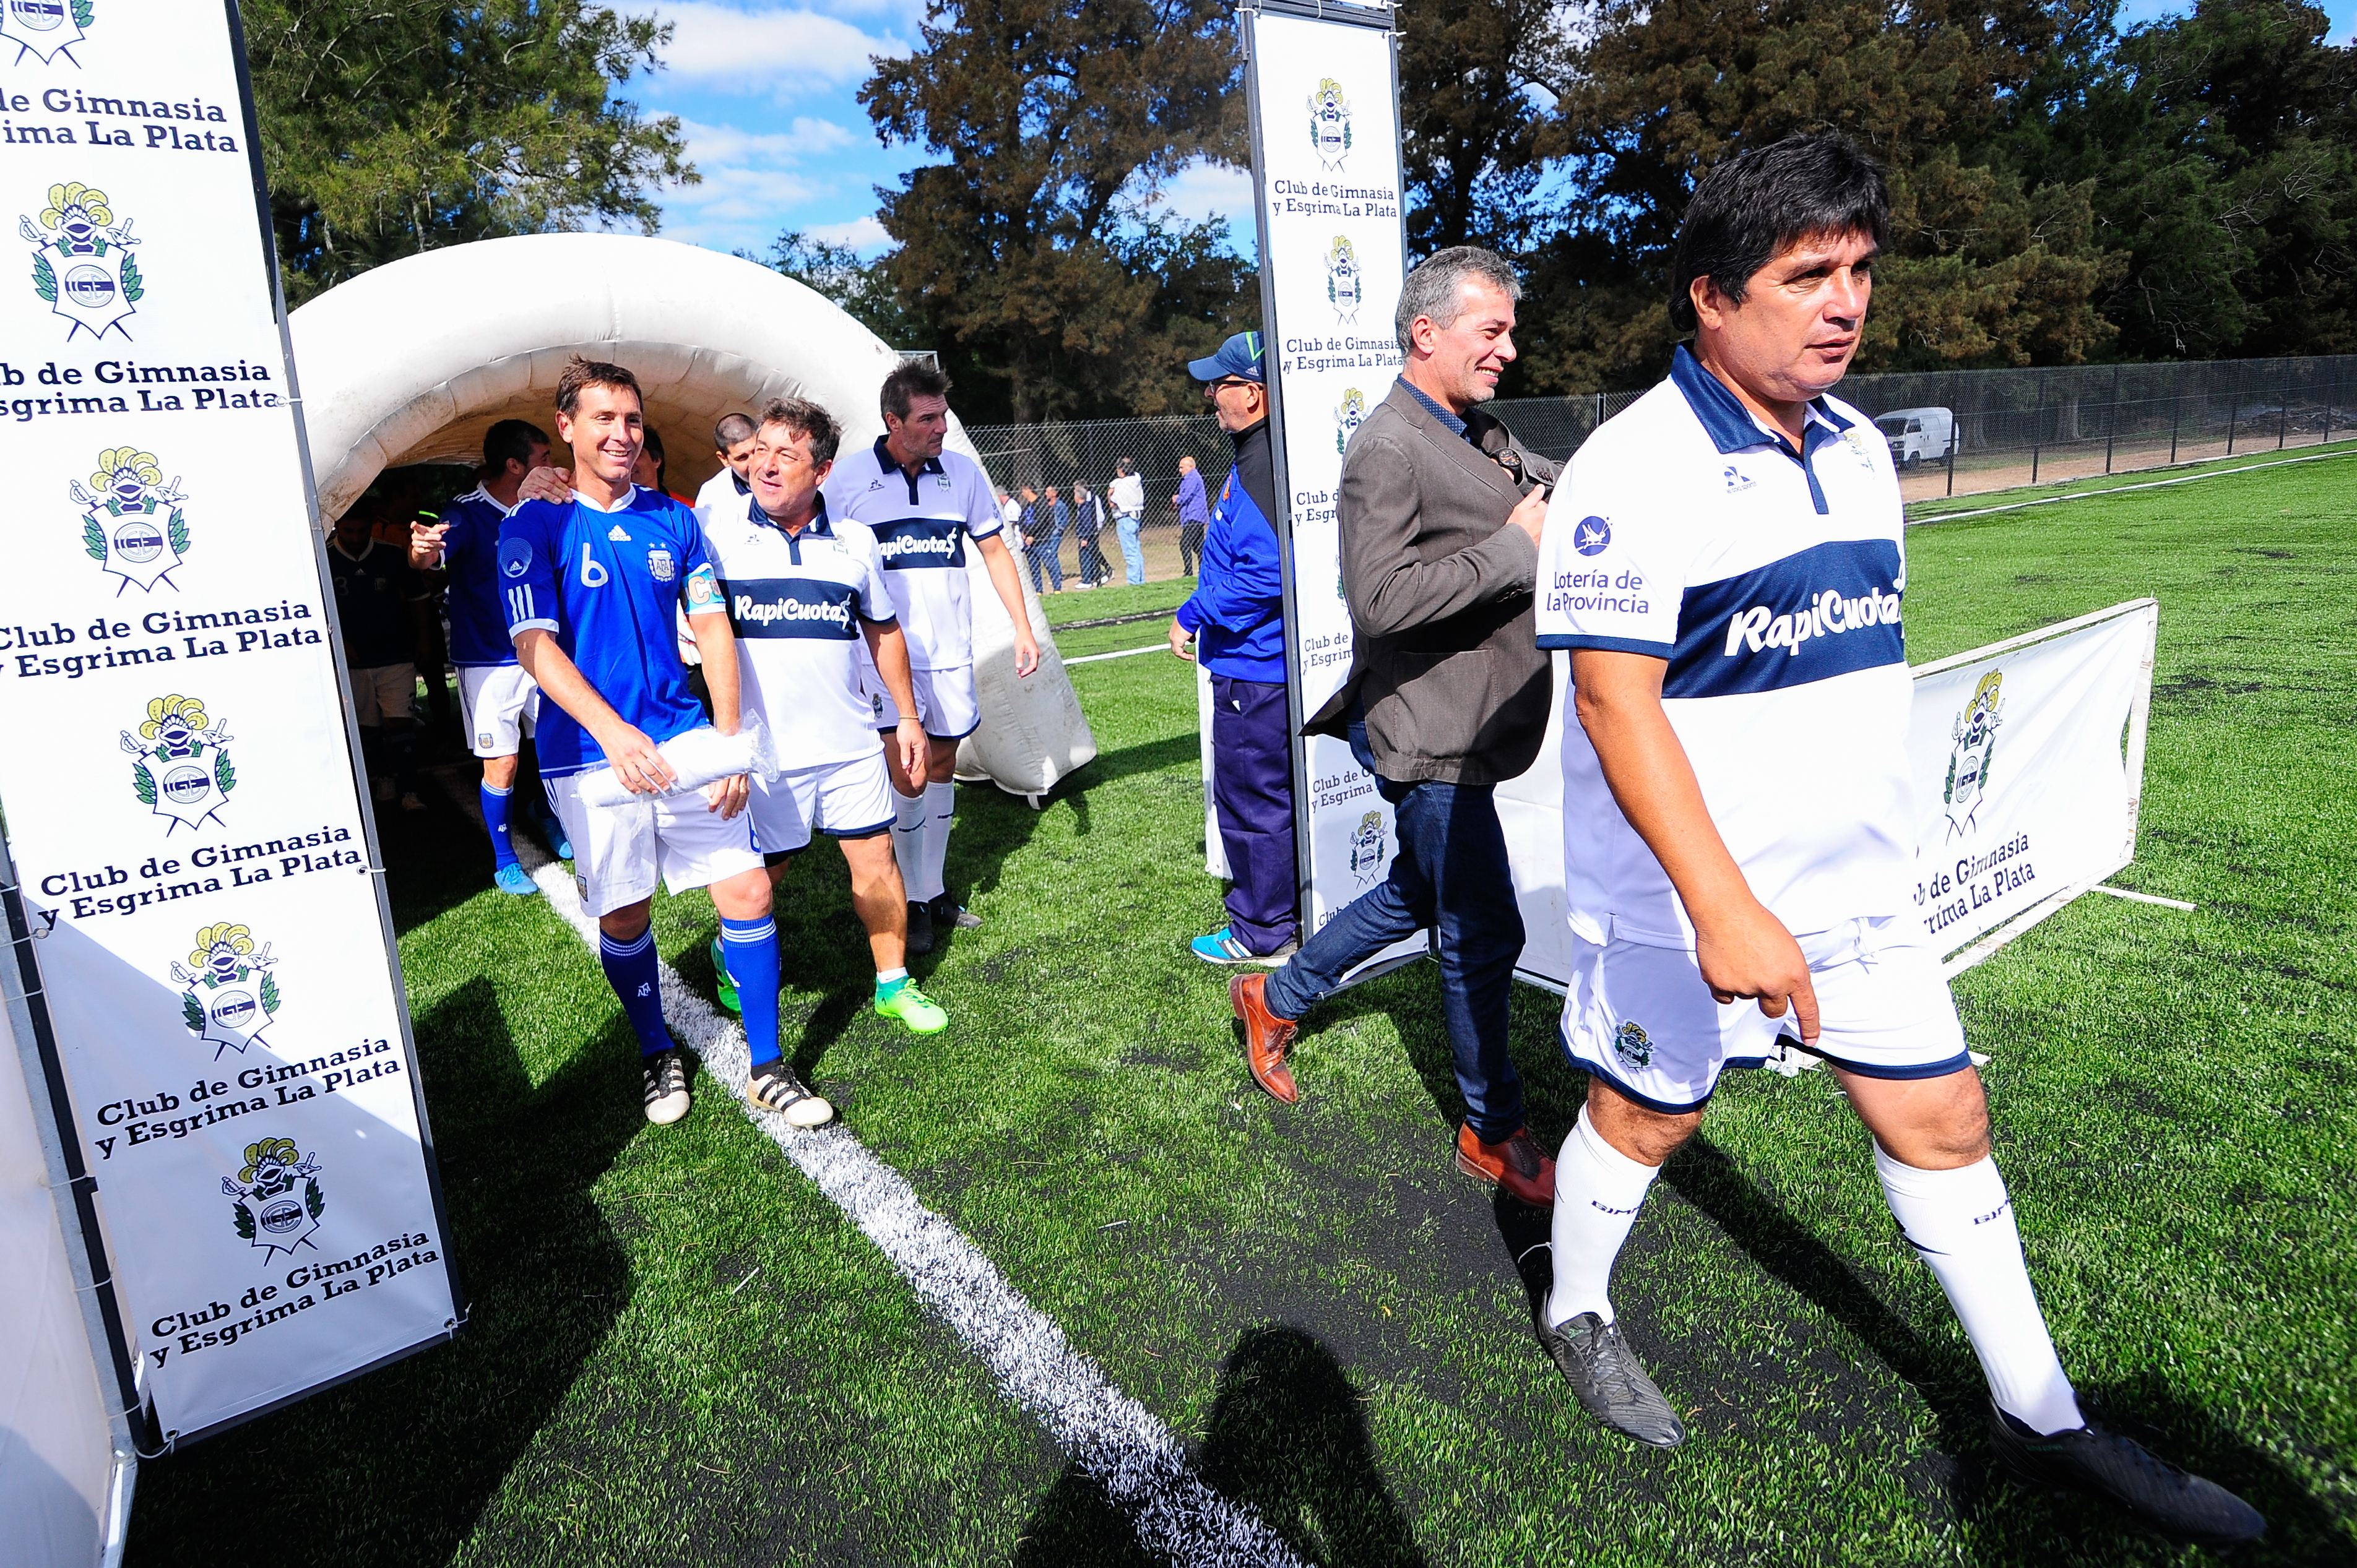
x: 768, y: 92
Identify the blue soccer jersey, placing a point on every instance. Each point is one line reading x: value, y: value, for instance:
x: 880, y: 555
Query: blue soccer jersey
x: 606, y: 584
x: 470, y: 548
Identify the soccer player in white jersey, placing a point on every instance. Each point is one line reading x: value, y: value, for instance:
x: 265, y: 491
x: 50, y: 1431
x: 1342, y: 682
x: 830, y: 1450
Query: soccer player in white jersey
x: 499, y: 700
x: 923, y: 504
x: 591, y: 584
x: 1726, y: 563
x: 802, y: 592
x: 726, y: 492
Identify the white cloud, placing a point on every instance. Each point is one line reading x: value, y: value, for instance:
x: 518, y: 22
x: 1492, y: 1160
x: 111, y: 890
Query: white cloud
x: 1204, y: 190
x: 862, y: 235
x: 766, y: 49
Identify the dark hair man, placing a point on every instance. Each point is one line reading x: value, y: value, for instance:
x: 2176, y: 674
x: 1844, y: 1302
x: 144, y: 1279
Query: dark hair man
x: 500, y: 705
x: 590, y: 586
x: 803, y: 592
x: 1235, y: 620
x: 725, y: 492
x: 923, y: 503
x: 1447, y: 698
x: 1726, y: 569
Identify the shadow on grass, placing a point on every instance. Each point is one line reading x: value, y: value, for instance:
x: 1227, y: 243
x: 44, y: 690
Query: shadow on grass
x: 1286, y: 1440
x: 395, y: 1467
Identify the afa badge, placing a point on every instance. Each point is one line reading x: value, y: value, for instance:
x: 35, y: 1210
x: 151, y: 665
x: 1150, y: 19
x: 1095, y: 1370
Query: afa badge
x: 132, y: 524
x: 659, y: 564
x: 83, y: 262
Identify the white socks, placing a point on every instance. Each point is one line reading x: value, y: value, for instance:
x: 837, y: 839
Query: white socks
x: 908, y: 844
x: 1598, y: 1190
x: 941, y: 810
x: 1961, y: 1223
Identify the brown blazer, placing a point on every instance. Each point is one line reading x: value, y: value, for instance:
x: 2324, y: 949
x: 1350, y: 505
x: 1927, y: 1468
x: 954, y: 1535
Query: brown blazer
x: 1446, y: 659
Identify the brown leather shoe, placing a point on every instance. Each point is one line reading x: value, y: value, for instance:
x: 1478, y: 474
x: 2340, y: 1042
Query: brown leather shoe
x: 1515, y: 1164
x: 1266, y: 1036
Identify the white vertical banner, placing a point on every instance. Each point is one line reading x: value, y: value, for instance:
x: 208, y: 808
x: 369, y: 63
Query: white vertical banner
x: 2028, y: 763
x: 1326, y: 162
x: 179, y: 789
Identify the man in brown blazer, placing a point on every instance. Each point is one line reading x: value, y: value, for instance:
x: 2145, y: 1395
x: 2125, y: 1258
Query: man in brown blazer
x: 1441, y: 510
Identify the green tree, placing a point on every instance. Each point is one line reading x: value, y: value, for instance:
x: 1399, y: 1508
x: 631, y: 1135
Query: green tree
x: 394, y: 126
x: 861, y: 288
x: 1470, y: 125
x: 1054, y: 282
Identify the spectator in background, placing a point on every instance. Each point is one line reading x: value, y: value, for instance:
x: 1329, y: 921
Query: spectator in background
x: 373, y: 584
x: 1011, y: 514
x: 1236, y: 620
x: 725, y: 492
x: 650, y: 467
x: 1194, y: 516
x: 1088, y: 521
x: 1126, y: 496
x: 1043, y: 533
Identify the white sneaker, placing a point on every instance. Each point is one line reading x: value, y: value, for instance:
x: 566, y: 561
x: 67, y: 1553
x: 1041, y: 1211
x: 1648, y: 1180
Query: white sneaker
x: 664, y: 1077
x: 774, y: 1087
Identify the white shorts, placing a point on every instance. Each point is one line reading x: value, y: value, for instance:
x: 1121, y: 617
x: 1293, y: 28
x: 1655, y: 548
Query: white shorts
x: 843, y: 799
x: 385, y: 692
x: 1641, y: 1019
x: 945, y: 702
x: 618, y: 851
x: 501, y: 706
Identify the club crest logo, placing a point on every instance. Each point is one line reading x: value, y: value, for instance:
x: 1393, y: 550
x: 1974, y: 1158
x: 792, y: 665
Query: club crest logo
x: 278, y: 1201
x: 181, y: 769
x: 227, y: 995
x: 132, y: 524
x: 82, y: 260
x: 1346, y: 288
x: 1330, y: 123
x: 45, y: 28
x: 1974, y: 731
x: 1367, y: 847
x: 1631, y: 1044
x: 659, y: 561
x: 1348, y: 414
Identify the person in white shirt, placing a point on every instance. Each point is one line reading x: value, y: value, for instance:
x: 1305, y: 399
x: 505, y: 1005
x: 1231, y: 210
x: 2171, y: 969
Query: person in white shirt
x: 1726, y: 563
x: 1125, y: 493
x: 923, y: 503
x: 732, y: 443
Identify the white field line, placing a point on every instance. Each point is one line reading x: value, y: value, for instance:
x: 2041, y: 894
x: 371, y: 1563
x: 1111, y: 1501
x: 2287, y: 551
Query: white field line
x: 2123, y: 489
x: 1124, y: 653
x: 1115, y: 1439
x: 2142, y: 897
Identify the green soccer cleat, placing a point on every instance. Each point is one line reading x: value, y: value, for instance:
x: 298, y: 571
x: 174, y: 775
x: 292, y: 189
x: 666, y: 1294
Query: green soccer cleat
x: 728, y: 989
x: 920, y: 1012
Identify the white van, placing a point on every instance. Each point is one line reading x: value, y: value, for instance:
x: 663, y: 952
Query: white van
x: 1917, y: 434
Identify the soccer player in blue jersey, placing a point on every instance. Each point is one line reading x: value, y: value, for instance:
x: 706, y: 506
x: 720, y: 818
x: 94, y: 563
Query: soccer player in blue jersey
x: 1726, y: 563
x: 500, y: 705
x: 923, y: 503
x: 805, y: 595
x: 591, y: 586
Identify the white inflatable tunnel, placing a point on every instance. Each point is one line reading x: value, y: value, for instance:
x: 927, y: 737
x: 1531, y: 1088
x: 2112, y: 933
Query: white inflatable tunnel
x: 413, y: 362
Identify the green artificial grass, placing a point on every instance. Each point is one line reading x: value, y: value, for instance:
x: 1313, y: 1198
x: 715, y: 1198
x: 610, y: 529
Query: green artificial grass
x: 679, y: 1352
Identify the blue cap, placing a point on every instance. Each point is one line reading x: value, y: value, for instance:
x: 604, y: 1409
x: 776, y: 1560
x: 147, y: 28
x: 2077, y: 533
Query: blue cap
x: 1239, y: 356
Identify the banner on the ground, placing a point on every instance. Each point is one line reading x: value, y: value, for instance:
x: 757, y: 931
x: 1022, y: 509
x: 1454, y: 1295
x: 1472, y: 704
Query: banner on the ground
x: 2029, y: 762
x: 212, y: 941
x: 1333, y: 252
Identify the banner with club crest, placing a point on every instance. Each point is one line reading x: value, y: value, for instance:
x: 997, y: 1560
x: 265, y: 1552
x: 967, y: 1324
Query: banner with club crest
x: 178, y: 784
x: 2028, y: 763
x: 1326, y: 162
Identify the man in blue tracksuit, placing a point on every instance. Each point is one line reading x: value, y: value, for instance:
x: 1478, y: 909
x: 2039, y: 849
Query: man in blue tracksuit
x: 1236, y: 622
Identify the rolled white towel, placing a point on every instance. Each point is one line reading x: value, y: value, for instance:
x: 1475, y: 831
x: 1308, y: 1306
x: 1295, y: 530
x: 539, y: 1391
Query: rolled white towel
x: 699, y: 756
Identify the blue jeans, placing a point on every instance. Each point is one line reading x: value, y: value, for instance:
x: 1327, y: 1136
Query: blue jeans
x: 1132, y: 554
x: 1451, y: 874
x: 1044, y: 552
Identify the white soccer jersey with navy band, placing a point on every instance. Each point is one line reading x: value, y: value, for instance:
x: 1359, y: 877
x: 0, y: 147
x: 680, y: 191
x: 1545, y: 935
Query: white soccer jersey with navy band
x: 798, y: 603
x: 606, y: 584
x: 1770, y: 580
x: 920, y: 525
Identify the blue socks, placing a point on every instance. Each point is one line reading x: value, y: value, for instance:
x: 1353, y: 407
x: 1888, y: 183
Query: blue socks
x: 751, y: 949
x: 495, y: 821
x: 630, y: 970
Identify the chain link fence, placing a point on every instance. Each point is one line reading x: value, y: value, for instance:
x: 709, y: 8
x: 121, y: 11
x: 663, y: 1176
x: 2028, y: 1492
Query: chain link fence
x: 1952, y: 432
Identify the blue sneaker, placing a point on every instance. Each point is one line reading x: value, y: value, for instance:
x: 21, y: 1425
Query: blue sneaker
x: 513, y: 878
x: 553, y: 832
x: 1225, y: 947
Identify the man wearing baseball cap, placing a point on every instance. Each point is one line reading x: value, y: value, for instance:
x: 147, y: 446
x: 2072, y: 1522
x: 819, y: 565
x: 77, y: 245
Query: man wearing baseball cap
x: 1235, y: 625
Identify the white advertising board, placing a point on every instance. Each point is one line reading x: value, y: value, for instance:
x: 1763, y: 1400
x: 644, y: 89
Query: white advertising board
x: 2028, y: 761
x: 1326, y: 162
x: 181, y: 795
